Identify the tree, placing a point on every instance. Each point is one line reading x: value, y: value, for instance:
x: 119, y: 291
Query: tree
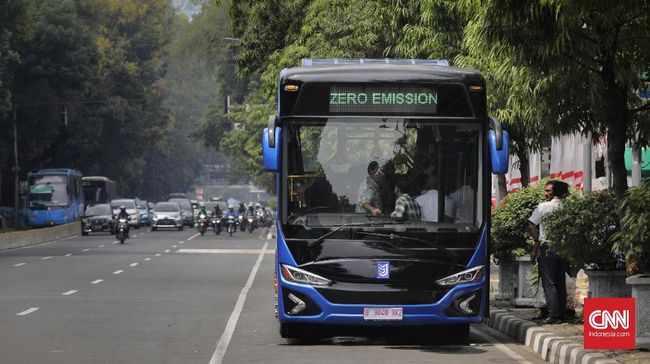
x: 599, y: 48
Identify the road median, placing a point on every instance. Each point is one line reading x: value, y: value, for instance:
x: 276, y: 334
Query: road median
x: 18, y: 239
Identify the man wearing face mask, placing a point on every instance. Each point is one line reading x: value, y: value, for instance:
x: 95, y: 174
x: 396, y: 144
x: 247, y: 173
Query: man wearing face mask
x: 369, y: 200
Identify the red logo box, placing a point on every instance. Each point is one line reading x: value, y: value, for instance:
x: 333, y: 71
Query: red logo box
x: 609, y: 323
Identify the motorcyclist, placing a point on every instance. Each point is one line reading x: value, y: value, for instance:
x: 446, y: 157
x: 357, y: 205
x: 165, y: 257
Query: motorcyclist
x: 230, y: 212
x: 242, y: 208
x: 202, y: 210
x: 216, y: 211
x: 124, y: 215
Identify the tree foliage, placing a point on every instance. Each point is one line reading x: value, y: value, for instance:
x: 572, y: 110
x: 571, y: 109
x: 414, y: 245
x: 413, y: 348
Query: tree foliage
x: 109, y: 87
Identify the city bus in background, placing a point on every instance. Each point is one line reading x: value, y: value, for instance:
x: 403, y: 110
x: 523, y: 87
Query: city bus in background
x: 98, y: 189
x: 55, y: 196
x: 345, y: 132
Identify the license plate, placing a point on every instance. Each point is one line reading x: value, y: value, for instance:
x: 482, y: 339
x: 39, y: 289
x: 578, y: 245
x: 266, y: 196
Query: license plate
x: 383, y: 314
x: 97, y: 227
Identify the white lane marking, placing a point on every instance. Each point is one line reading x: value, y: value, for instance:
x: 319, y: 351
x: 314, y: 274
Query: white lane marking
x: 85, y: 250
x: 97, y: 281
x: 72, y: 291
x: 27, y: 312
x: 174, y: 246
x: 158, y: 254
x: 118, y: 272
x: 19, y: 264
x: 193, y: 236
x: 68, y: 255
x: 167, y: 250
x: 504, y: 349
x: 101, y: 246
x: 46, y: 258
x: 133, y: 264
x: 222, y: 345
x: 135, y: 236
x: 147, y: 259
x: 181, y: 242
x: 115, y: 242
x: 225, y: 251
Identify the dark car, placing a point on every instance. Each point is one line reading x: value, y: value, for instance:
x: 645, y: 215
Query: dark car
x: 98, y: 217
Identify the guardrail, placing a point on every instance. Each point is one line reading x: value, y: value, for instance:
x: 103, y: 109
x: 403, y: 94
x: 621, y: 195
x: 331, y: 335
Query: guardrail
x: 17, y: 239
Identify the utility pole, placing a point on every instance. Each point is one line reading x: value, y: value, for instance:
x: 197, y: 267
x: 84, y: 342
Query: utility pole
x: 16, y: 169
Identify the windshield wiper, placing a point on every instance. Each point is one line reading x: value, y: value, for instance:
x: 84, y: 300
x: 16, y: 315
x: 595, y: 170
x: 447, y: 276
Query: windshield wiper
x: 322, y: 238
x: 400, y: 237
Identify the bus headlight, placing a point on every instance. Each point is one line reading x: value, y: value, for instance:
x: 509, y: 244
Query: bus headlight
x: 467, y: 276
x: 297, y: 275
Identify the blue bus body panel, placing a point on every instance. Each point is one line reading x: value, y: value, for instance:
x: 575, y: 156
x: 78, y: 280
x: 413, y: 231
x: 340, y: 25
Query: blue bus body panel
x: 54, y: 216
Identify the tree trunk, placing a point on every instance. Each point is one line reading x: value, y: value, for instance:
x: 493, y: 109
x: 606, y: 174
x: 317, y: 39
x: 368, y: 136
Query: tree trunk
x: 616, y: 119
x: 501, y: 185
x: 524, y: 168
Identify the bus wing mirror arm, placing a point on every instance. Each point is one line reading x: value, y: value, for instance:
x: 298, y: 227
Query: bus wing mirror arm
x: 496, y: 126
x: 272, y: 123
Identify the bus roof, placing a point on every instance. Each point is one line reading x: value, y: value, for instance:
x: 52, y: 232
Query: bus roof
x: 95, y: 178
x: 378, y: 73
x: 55, y: 171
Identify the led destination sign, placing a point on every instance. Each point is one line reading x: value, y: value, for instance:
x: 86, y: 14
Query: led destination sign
x: 383, y: 99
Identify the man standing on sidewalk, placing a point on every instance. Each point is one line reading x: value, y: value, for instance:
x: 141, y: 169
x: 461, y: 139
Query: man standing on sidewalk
x: 552, y: 269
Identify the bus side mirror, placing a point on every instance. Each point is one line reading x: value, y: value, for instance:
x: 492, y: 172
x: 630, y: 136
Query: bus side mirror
x: 499, y: 156
x: 271, y: 153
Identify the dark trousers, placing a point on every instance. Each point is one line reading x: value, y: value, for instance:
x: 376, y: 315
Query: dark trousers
x: 552, y: 271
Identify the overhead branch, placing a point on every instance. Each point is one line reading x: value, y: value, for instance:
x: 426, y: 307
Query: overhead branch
x: 645, y: 107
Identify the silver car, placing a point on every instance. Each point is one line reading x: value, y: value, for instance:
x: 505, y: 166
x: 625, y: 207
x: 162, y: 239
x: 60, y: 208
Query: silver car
x: 131, y: 209
x: 167, y: 215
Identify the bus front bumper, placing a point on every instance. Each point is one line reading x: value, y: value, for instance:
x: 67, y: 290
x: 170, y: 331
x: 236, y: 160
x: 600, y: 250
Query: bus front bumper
x: 461, y: 304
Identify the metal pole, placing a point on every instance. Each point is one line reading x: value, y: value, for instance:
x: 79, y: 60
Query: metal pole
x: 587, y: 163
x: 16, y: 179
x: 636, y: 166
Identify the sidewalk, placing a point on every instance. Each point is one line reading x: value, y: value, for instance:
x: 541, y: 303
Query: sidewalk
x: 562, y: 343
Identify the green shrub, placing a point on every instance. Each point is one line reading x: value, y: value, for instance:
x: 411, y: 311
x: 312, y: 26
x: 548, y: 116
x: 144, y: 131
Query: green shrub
x: 510, y: 236
x: 580, y: 231
x: 634, y: 238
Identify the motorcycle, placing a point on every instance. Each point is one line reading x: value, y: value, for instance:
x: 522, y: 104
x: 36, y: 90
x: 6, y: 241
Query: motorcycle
x: 252, y: 223
x: 242, y: 223
x: 202, y: 224
x: 231, y: 224
x: 122, y: 230
x: 216, y: 224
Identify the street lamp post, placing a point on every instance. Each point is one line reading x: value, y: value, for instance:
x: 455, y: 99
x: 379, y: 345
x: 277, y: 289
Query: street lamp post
x: 16, y: 169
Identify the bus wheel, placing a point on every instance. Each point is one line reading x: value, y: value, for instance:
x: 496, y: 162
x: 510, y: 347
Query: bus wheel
x: 290, y: 331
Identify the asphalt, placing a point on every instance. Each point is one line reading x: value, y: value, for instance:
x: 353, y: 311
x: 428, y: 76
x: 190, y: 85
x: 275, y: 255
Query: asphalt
x: 199, y: 301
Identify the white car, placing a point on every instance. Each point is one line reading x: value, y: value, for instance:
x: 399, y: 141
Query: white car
x: 167, y: 215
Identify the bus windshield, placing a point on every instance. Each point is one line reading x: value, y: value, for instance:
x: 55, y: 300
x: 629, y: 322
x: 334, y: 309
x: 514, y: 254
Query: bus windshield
x: 47, y: 191
x: 344, y: 170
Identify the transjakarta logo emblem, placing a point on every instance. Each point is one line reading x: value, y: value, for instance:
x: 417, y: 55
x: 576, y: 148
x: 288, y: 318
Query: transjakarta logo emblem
x: 609, y: 323
x: 383, y: 270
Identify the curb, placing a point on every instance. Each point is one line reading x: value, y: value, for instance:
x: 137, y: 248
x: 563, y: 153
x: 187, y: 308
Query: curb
x: 550, y: 347
x: 20, y: 239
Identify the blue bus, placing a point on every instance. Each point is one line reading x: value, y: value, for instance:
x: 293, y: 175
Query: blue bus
x: 55, y: 197
x: 98, y: 189
x: 356, y: 145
